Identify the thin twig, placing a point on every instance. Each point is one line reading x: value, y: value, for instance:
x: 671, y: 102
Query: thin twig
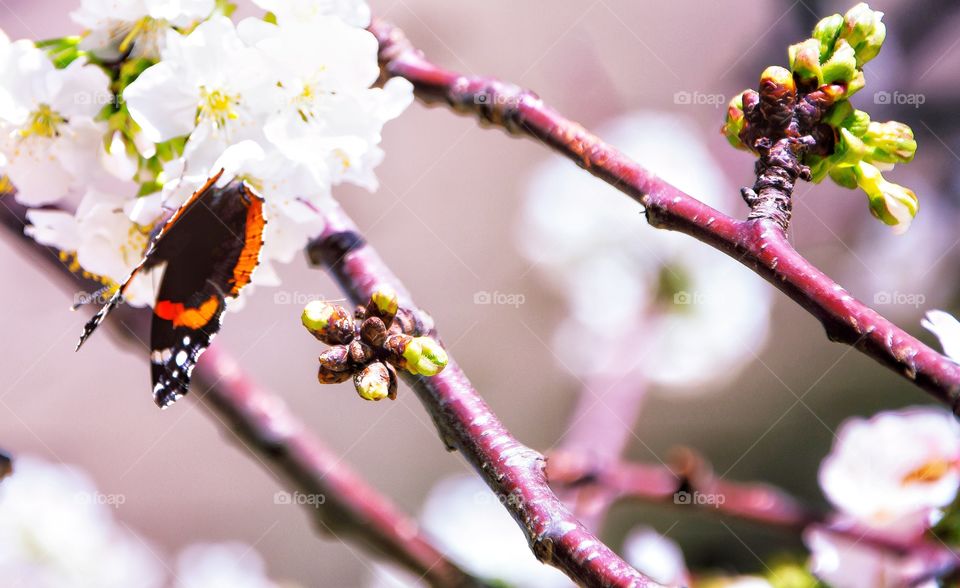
x: 465, y: 423
x: 760, y: 244
x: 261, y: 423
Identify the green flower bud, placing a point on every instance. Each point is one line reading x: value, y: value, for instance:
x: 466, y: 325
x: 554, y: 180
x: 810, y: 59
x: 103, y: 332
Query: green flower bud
x: 383, y: 304
x: 844, y: 176
x: 890, y: 142
x: 857, y: 123
x: 373, y: 382
x: 329, y: 323
x: 735, y: 121
x: 891, y: 203
x: 826, y: 33
x: 842, y: 66
x: 863, y: 30
x: 805, y: 60
x: 425, y: 357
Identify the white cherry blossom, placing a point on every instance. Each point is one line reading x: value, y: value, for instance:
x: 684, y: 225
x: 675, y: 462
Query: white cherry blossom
x: 353, y: 12
x: 48, y: 135
x: 892, y: 473
x: 116, y: 27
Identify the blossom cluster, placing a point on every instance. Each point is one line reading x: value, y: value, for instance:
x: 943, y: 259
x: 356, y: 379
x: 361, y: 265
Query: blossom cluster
x: 825, y: 71
x: 155, y: 97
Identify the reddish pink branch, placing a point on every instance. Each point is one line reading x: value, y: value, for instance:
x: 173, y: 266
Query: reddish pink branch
x: 262, y: 424
x: 759, y: 243
x: 687, y: 476
x: 465, y: 423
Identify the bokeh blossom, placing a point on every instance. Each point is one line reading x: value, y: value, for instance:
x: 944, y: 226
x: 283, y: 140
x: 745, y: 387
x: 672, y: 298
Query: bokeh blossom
x: 891, y: 474
x: 708, y: 315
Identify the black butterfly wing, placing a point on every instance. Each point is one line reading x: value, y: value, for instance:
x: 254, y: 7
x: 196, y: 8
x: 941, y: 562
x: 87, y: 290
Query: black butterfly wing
x: 149, y: 261
x: 217, y: 247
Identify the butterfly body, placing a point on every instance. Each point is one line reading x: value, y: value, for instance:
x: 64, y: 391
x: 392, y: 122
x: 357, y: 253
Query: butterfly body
x: 208, y: 250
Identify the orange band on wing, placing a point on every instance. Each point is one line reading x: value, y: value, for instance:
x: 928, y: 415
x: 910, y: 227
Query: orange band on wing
x: 192, y: 318
x: 252, y: 243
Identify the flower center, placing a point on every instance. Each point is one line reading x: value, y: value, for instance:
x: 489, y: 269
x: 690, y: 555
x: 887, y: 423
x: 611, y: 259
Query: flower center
x: 929, y: 472
x: 217, y: 106
x: 43, y: 122
x: 145, y: 36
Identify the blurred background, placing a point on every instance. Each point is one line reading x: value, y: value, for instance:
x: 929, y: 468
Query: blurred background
x: 449, y: 220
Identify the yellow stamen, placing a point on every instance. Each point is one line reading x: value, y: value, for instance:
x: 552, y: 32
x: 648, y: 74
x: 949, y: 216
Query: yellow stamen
x: 217, y: 106
x: 43, y: 122
x: 931, y: 471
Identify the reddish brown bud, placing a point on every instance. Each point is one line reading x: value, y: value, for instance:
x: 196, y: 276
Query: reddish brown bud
x: 373, y: 331
x: 360, y: 353
x: 334, y: 365
x: 330, y: 323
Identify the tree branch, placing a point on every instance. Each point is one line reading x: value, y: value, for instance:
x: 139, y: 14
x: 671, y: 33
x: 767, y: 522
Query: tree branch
x: 688, y: 473
x: 465, y: 423
x: 760, y: 243
x: 261, y: 424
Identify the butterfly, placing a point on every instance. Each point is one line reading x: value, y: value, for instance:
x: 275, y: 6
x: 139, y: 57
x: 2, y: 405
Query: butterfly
x: 207, y: 251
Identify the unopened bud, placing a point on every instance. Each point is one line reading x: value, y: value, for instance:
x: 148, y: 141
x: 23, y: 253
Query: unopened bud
x: 890, y: 142
x: 329, y: 323
x: 778, y: 93
x: 842, y: 65
x: 864, y: 31
x: 373, y: 331
x: 424, y: 356
x: 334, y: 365
x: 826, y: 33
x: 373, y: 382
x: 735, y: 121
x: 383, y: 304
x: 805, y: 60
x: 892, y: 203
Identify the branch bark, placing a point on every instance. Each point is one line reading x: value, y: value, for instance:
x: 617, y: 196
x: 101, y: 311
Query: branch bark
x: 466, y: 424
x: 261, y: 424
x: 759, y: 243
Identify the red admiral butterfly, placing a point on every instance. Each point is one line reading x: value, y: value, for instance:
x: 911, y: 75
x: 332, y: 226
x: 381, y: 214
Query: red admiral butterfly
x: 209, y: 247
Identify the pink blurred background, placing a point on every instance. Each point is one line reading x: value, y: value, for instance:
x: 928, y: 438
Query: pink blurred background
x: 445, y: 219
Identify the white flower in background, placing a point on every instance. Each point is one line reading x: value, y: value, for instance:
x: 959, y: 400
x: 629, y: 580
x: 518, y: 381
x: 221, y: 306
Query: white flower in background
x: 47, y: 133
x: 57, y: 532
x: 708, y: 314
x: 115, y: 27
x: 106, y: 241
x: 846, y: 563
x: 892, y: 473
x: 353, y: 12
x: 221, y: 565
x: 656, y: 556
x: 947, y: 329
x: 472, y: 528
